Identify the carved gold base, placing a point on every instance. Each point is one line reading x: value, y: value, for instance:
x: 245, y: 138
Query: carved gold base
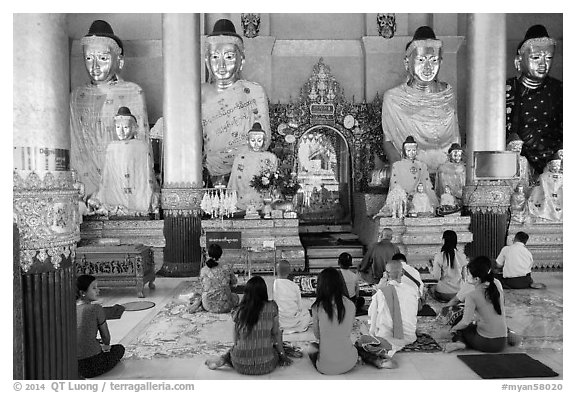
x: 546, y: 242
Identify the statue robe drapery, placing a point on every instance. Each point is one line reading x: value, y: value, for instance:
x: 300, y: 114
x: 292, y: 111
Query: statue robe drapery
x: 245, y: 167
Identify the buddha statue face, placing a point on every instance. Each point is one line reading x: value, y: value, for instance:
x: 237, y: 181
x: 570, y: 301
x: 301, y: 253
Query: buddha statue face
x: 447, y: 190
x: 515, y: 146
x: 420, y: 188
x: 456, y: 156
x: 520, y: 189
x: 256, y: 140
x: 410, y: 150
x: 555, y: 166
x: 423, y: 64
x: 535, y: 61
x: 224, y: 60
x: 561, y: 154
x: 125, y: 127
x: 102, y: 63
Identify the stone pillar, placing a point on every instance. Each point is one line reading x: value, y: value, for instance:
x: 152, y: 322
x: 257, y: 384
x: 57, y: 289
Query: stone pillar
x: 181, y: 193
x: 45, y: 204
x: 487, y: 201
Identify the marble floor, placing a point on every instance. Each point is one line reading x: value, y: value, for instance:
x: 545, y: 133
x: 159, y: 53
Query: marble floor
x: 412, y: 366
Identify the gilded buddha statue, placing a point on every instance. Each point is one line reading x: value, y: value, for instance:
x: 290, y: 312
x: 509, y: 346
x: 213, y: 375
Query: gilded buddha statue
x: 452, y: 173
x: 534, y: 99
x: 423, y: 106
x: 93, y: 106
x: 128, y: 186
x: 546, y: 199
x: 230, y: 105
x: 409, y: 172
x: 253, y: 162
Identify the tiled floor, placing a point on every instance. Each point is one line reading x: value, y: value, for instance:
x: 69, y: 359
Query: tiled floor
x: 412, y: 366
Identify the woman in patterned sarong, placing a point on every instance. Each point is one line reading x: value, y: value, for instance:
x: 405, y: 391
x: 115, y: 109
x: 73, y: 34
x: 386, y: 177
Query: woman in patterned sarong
x: 217, y: 282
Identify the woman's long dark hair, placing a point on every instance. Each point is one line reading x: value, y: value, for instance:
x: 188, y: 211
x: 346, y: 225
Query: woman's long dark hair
x: 214, y: 252
x: 330, y: 290
x: 450, y: 242
x: 480, y: 267
x: 82, y: 284
x: 253, y: 301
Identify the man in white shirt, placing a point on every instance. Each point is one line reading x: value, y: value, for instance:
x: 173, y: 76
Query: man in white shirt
x: 516, y: 261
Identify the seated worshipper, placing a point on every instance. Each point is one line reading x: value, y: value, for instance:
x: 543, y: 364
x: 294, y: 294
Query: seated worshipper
x: 422, y: 106
x: 420, y: 204
x: 94, y: 357
x: 409, y: 172
x: 518, y: 206
x: 452, y: 173
x: 217, y: 283
x: 546, y: 199
x: 534, y: 108
x: 230, y: 104
x: 517, y: 262
x: 526, y: 172
x: 293, y: 317
x: 247, y: 165
x: 393, y: 313
x: 351, y: 281
x: 483, y: 325
x: 93, y: 105
x: 333, y: 315
x: 410, y: 276
x: 447, y: 267
x: 374, y: 262
x: 257, y: 345
x: 128, y: 184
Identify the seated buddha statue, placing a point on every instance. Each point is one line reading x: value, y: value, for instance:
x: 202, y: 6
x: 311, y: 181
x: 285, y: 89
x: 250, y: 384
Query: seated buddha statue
x: 247, y: 165
x: 452, y: 173
x: 230, y: 104
x: 420, y: 204
x: 128, y: 185
x: 518, y: 207
x: 447, y: 199
x: 545, y: 201
x: 526, y: 172
x: 409, y: 172
x: 423, y: 107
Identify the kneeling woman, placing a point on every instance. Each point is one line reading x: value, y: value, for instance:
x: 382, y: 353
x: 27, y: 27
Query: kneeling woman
x: 94, y: 359
x: 485, y: 306
x: 333, y: 315
x: 257, y: 336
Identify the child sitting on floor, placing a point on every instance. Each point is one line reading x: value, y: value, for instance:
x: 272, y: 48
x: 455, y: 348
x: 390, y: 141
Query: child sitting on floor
x: 293, y: 316
x: 351, y: 281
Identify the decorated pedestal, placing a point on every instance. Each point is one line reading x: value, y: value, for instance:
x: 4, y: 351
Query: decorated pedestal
x: 545, y: 242
x: 118, y: 266
x: 262, y: 243
x: 420, y: 238
x: 147, y: 232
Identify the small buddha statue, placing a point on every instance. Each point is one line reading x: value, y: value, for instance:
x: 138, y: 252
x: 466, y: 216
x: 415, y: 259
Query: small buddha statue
x: 447, y: 199
x: 534, y: 100
x: 94, y: 105
x: 452, y: 173
x: 254, y: 162
x: 230, y: 104
x: 128, y: 185
x: 420, y: 204
x: 546, y: 199
x: 423, y: 106
x: 518, y: 207
x: 409, y: 172
x: 526, y: 172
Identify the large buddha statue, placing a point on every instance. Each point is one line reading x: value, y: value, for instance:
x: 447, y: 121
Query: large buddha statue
x: 250, y: 163
x: 409, y: 172
x: 452, y: 173
x: 546, y: 199
x: 423, y: 106
x: 230, y: 105
x: 128, y: 185
x: 93, y: 106
x: 534, y: 99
